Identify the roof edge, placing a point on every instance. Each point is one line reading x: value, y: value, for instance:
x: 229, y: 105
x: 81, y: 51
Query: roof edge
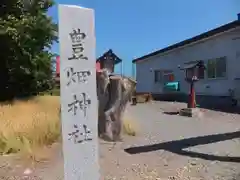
x: 117, y: 61
x: 199, y: 37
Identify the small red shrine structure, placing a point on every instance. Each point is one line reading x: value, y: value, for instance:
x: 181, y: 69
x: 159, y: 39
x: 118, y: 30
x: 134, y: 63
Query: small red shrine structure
x: 193, y: 72
x: 108, y: 61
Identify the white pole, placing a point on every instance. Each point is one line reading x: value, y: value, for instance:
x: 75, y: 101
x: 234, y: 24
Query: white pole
x: 121, y: 68
x: 79, y: 105
x: 133, y: 71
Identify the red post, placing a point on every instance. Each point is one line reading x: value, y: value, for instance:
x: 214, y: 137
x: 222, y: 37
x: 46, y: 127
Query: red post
x: 191, y: 103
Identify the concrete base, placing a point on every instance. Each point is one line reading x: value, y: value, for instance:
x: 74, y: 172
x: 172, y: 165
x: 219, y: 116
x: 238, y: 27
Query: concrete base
x: 238, y: 103
x: 191, y: 112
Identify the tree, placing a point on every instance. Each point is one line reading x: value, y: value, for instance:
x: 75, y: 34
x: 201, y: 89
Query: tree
x: 26, y: 35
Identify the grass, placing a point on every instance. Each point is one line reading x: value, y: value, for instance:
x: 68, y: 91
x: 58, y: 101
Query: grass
x: 25, y: 125
x: 129, y: 127
x: 53, y: 92
x: 30, y: 124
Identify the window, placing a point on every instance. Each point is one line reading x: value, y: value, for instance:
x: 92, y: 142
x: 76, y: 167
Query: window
x: 157, y: 76
x: 163, y: 76
x: 168, y: 76
x: 221, y: 67
x: 211, y: 68
x: 217, y: 68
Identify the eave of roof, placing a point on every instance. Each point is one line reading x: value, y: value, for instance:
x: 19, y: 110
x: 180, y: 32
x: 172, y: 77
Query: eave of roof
x: 210, y: 33
x: 116, y: 61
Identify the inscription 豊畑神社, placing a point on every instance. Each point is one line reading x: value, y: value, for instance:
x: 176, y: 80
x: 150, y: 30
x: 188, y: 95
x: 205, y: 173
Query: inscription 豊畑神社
x: 77, y: 38
x: 82, y: 103
x: 78, y: 136
x: 76, y: 76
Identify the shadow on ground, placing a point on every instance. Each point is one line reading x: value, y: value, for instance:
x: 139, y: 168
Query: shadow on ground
x: 171, y: 112
x: 178, y: 146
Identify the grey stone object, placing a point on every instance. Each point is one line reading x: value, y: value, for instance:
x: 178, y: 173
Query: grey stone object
x: 114, y: 92
x: 191, y: 112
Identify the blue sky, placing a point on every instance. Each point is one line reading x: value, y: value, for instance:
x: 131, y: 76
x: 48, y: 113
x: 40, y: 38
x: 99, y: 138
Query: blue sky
x: 134, y: 28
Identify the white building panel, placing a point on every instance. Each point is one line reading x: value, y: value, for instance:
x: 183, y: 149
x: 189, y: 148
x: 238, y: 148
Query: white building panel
x: 221, y: 45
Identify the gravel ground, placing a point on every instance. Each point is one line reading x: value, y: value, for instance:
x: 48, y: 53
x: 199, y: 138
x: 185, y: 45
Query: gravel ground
x: 167, y: 147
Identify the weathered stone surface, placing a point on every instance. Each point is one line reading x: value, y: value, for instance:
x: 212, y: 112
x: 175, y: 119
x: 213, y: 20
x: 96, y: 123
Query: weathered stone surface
x: 114, y: 91
x: 191, y: 112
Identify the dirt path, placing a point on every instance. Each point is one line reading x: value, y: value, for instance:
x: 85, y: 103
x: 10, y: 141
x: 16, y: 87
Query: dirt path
x: 167, y: 147
x: 195, y: 148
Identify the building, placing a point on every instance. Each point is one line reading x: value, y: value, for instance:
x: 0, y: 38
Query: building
x: 219, y: 49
